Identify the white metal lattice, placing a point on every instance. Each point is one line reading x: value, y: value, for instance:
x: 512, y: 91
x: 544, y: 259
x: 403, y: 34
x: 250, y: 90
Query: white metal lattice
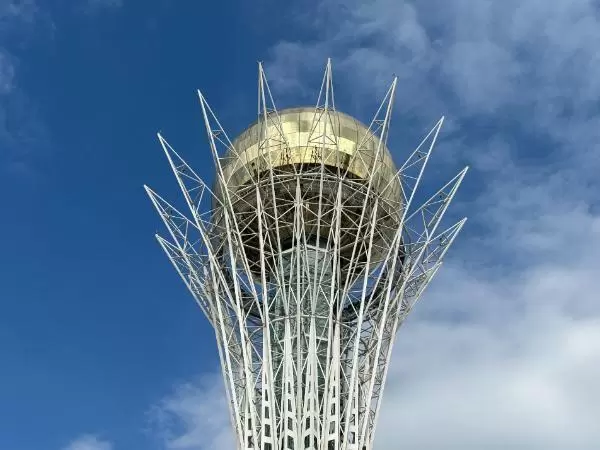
x: 306, y: 270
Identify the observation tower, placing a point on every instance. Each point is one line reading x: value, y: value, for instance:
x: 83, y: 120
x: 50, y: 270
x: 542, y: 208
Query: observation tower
x: 306, y: 255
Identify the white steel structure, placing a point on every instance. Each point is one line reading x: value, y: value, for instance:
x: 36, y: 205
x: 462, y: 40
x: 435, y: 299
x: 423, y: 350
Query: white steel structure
x: 306, y: 256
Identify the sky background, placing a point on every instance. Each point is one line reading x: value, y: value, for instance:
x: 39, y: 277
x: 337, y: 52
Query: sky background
x: 101, y: 347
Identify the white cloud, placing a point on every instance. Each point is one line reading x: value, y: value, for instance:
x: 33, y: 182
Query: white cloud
x: 14, y: 17
x: 7, y: 73
x: 23, y: 133
x: 507, y: 361
x: 195, y: 416
x: 21, y: 130
x: 17, y: 10
x: 533, y: 62
x: 89, y: 442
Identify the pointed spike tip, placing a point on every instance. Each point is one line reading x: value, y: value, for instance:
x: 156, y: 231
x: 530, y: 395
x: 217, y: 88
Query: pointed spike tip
x: 149, y: 191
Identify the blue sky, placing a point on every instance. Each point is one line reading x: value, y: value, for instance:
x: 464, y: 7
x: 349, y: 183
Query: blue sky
x: 85, y: 290
x: 101, y: 348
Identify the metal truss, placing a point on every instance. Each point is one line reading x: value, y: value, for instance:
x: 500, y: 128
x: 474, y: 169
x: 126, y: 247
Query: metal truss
x: 305, y: 330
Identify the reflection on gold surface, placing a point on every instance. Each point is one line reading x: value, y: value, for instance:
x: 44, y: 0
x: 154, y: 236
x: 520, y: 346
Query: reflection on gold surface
x: 336, y: 140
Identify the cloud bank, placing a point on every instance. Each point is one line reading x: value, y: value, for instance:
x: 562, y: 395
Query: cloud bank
x: 21, y: 130
x: 89, y: 442
x: 193, y: 417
